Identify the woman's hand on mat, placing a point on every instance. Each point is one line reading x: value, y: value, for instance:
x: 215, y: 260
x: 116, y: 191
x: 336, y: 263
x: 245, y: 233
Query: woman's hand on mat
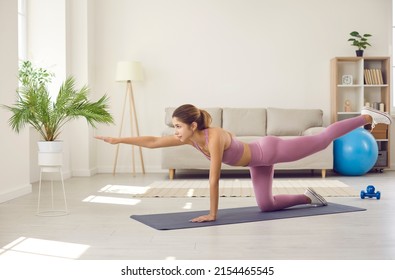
x: 205, y: 218
x: 110, y: 140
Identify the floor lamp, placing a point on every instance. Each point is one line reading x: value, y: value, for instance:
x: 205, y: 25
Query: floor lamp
x: 128, y: 71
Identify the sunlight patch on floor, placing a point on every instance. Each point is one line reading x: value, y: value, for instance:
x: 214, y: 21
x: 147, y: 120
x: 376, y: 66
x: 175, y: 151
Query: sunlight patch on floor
x: 29, y: 248
x: 190, y: 192
x: 187, y: 206
x: 123, y: 189
x: 111, y: 200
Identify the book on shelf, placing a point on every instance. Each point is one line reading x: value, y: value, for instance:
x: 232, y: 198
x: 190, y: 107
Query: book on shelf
x: 373, y: 76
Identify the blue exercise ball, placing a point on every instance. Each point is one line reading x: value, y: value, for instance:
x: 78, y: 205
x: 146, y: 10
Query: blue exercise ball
x: 355, y: 153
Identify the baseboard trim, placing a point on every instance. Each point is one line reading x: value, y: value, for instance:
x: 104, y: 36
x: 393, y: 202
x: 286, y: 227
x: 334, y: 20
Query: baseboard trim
x: 15, y: 192
x: 84, y: 172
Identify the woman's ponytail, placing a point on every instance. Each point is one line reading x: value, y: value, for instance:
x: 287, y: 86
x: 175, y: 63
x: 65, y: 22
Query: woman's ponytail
x: 204, y: 120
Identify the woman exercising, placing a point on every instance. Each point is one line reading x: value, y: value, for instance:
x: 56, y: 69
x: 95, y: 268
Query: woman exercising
x: 192, y: 127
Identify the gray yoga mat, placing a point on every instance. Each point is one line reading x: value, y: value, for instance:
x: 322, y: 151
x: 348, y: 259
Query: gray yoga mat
x: 180, y: 220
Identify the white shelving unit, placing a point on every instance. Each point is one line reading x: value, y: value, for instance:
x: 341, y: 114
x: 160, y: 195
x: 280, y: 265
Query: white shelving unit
x: 350, y: 84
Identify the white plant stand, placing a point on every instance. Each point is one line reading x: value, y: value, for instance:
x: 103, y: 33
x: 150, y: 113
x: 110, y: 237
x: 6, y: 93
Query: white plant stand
x: 51, y: 163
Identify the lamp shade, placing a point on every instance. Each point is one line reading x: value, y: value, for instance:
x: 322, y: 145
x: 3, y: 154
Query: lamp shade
x: 129, y: 71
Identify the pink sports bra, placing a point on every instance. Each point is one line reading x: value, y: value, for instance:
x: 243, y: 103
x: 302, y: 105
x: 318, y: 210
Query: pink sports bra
x: 231, y: 155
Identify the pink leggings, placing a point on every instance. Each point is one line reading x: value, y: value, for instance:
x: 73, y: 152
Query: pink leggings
x: 269, y: 150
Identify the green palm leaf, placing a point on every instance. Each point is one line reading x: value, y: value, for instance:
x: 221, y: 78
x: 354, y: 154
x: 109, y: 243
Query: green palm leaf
x: 34, y: 105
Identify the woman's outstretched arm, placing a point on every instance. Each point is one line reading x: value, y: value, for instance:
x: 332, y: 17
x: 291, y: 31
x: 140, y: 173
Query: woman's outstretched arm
x: 151, y: 142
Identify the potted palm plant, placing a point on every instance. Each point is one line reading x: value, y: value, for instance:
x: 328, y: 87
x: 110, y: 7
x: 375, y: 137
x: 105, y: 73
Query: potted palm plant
x: 359, y: 41
x: 35, y: 106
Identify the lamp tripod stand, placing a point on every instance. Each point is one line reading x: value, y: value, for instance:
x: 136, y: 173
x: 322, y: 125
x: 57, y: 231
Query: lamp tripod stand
x: 134, y: 129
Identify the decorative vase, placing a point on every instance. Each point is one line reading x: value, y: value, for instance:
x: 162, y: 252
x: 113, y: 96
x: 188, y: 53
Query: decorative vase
x: 359, y: 53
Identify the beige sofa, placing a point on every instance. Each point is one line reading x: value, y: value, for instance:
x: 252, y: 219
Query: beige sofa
x: 248, y: 124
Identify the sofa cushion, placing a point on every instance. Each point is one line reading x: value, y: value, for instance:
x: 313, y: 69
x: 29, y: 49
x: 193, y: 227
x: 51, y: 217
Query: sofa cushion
x: 283, y: 122
x: 216, y: 115
x: 245, y: 121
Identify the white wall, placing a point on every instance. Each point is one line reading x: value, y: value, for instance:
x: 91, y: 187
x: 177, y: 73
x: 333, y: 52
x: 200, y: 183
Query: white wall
x: 14, y: 149
x: 236, y: 53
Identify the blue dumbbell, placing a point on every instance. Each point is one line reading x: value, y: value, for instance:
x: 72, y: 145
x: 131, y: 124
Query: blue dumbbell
x: 370, y: 192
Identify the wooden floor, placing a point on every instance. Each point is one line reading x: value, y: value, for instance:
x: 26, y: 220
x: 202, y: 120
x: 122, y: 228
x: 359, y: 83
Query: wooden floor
x: 98, y: 226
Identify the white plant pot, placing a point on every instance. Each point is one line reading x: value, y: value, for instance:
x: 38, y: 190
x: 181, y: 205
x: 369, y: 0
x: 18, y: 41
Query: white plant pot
x: 50, y: 146
x: 50, y: 153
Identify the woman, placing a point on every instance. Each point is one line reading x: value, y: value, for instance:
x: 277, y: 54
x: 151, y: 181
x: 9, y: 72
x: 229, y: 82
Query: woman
x: 192, y: 127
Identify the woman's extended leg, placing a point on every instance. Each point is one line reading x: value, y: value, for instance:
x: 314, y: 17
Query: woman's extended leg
x: 276, y: 150
x: 262, y: 180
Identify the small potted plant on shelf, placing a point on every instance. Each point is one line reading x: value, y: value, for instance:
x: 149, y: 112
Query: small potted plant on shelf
x: 47, y: 116
x: 359, y: 41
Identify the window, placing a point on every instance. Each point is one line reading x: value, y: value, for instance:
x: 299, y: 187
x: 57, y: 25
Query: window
x: 22, y: 37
